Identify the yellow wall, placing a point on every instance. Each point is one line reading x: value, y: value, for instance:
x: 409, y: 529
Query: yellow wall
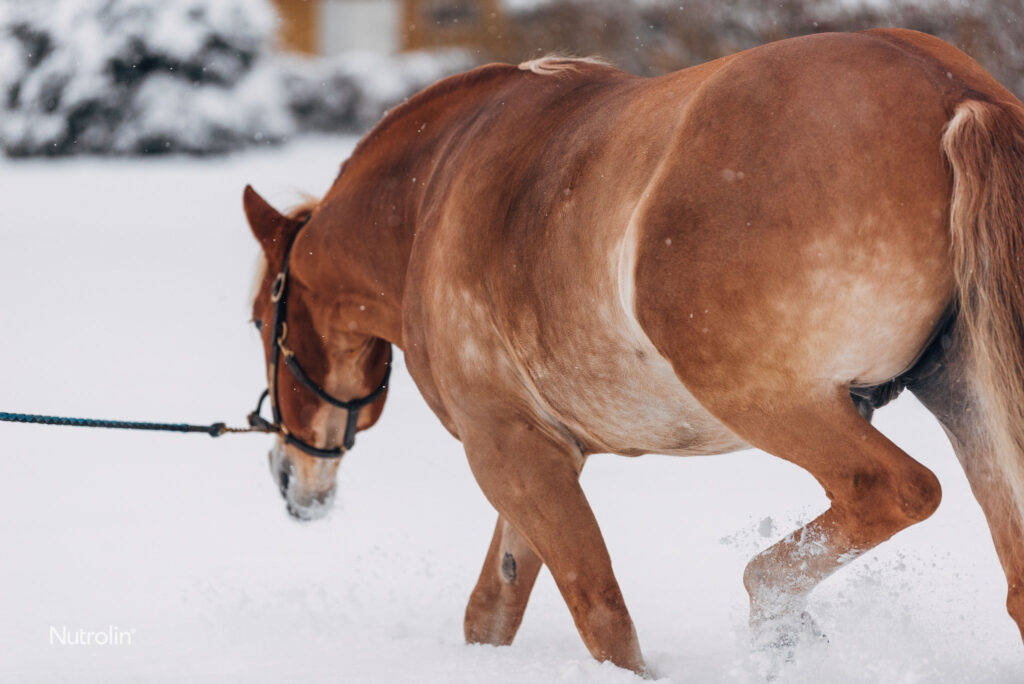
x: 299, y: 20
x: 425, y: 24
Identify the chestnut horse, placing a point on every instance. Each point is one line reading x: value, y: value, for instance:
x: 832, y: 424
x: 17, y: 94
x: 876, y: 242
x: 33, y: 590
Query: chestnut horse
x: 757, y: 251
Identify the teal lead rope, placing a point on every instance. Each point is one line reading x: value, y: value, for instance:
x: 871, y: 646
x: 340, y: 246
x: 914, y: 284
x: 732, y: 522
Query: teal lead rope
x: 214, y: 430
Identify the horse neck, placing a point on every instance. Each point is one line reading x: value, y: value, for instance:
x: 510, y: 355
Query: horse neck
x: 359, y: 243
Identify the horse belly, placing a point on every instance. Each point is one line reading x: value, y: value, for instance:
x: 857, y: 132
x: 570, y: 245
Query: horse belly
x: 647, y: 410
x: 617, y: 394
x: 607, y: 386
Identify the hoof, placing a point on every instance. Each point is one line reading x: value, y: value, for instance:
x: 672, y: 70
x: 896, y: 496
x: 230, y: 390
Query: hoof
x: 776, y: 640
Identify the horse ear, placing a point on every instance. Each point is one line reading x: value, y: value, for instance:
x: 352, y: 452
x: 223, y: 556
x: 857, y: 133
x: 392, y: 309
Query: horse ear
x: 267, y: 224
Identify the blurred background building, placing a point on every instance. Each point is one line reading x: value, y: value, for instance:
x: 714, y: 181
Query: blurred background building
x: 329, y: 27
x: 644, y: 36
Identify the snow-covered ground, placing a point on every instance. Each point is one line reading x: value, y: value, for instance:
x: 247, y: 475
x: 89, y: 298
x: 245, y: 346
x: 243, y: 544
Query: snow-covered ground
x: 124, y: 294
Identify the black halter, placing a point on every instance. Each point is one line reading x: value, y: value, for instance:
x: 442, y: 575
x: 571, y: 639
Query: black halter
x: 279, y: 296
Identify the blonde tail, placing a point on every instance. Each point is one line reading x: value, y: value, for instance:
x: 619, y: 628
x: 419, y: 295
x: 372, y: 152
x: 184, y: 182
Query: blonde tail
x: 984, y: 143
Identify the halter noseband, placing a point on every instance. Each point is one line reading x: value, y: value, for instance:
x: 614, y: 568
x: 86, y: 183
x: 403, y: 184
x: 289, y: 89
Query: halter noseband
x: 278, y: 295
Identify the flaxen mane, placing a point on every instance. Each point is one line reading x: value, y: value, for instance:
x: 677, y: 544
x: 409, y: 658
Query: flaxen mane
x: 555, y: 64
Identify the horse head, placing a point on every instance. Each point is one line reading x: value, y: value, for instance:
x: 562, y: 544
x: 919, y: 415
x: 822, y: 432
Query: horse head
x: 326, y: 379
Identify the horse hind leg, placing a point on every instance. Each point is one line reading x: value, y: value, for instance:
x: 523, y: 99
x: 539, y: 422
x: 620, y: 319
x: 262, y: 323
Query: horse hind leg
x: 875, y: 490
x: 941, y: 382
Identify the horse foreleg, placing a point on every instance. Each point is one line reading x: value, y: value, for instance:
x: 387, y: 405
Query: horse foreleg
x: 876, y: 490
x: 533, y: 482
x: 496, y: 606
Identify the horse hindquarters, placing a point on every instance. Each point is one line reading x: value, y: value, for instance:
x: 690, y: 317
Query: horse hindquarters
x: 770, y: 298
x: 972, y: 380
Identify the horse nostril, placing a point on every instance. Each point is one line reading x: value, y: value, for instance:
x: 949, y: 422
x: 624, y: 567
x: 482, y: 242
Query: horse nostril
x: 282, y: 482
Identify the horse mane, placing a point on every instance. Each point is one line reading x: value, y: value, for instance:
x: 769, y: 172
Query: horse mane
x: 437, y: 91
x: 305, y: 208
x: 548, y: 65
x: 553, y: 65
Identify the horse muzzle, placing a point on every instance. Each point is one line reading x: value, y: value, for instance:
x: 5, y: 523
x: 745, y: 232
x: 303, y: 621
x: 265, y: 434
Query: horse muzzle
x: 308, y: 489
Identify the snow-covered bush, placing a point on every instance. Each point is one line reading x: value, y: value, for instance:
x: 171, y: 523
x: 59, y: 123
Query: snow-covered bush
x: 136, y: 76
x: 196, y: 76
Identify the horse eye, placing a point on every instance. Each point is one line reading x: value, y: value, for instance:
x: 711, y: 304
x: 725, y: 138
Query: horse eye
x: 258, y: 323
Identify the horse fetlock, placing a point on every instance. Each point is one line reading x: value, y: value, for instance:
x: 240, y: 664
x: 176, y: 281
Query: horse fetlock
x: 604, y: 623
x: 777, y: 588
x: 756, y: 577
x: 488, y: 619
x: 768, y: 604
x: 489, y: 629
x: 609, y: 634
x: 489, y: 632
x: 1015, y: 604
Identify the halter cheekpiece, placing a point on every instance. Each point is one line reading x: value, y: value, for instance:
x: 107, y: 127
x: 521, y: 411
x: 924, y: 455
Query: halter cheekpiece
x: 279, y: 348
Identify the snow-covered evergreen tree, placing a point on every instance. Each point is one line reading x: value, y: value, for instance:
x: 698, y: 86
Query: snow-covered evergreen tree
x: 352, y: 91
x: 135, y: 76
x: 196, y: 76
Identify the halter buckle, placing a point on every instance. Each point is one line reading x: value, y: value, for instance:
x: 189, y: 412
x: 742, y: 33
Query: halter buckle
x: 281, y: 338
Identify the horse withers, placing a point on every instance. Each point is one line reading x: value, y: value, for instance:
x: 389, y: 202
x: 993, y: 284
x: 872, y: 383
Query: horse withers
x: 576, y: 260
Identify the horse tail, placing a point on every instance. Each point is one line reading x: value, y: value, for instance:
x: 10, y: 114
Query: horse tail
x: 984, y: 143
